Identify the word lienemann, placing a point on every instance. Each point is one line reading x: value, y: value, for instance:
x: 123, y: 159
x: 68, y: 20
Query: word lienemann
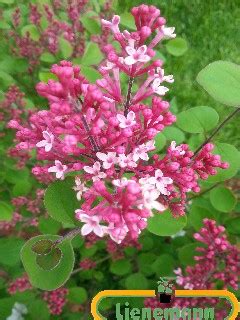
x: 125, y: 313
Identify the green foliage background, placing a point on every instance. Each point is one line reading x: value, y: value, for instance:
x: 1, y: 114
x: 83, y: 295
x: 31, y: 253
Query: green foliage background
x: 211, y: 30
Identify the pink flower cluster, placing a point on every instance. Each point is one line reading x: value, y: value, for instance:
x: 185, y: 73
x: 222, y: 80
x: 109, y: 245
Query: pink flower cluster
x: 71, y: 30
x: 56, y: 300
x: 34, y: 206
x: 216, y: 253
x: 117, y: 251
x: 108, y: 133
x: 13, y: 104
x: 217, y: 263
x: 19, y: 285
x: 87, y: 264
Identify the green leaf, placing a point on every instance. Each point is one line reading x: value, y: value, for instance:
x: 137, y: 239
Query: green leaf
x: 10, y: 251
x: 5, y: 80
x: 47, y: 57
x: 45, y: 76
x: 91, y: 25
x: 136, y: 281
x: 6, y: 211
x: 32, y: 30
x: 65, y: 48
x: 90, y: 73
x: 233, y: 225
x: 164, y: 224
x: 4, y: 25
x: 48, y: 226
x: 177, y: 47
x: 228, y: 154
x: 60, y: 201
x: 51, y: 260
x: 13, y: 176
x: 7, y: 1
x: 222, y: 199
x: 174, y: 134
x: 186, y: 254
x: 48, y: 279
x: 42, y: 246
x: 22, y: 188
x: 92, y: 55
x: 163, y: 265
x: 145, y: 261
x: 160, y: 141
x: 77, y: 295
x: 196, y: 216
x: 127, y: 20
x: 33, y: 309
x: 120, y: 267
x: 197, y: 119
x: 221, y: 79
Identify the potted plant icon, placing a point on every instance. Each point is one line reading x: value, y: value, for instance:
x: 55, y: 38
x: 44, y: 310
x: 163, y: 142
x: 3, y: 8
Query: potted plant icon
x: 164, y: 290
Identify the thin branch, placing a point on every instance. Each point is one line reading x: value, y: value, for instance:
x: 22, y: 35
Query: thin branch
x: 129, y: 93
x: 204, y: 191
x: 216, y: 131
x: 70, y: 235
x: 93, y: 143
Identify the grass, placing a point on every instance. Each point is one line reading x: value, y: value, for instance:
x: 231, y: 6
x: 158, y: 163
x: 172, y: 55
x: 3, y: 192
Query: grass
x: 212, y: 31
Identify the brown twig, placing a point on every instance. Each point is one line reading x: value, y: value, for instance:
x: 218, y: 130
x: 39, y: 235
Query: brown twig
x: 129, y: 93
x: 216, y: 131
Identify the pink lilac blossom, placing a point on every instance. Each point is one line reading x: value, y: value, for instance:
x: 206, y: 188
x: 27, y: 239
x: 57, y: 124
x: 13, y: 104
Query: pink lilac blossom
x: 217, y: 261
x: 107, y: 134
x: 56, y: 300
x: 87, y: 264
x: 19, y: 285
x: 71, y: 30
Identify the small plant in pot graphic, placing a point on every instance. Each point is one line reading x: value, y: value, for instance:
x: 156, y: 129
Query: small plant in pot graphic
x: 165, y: 290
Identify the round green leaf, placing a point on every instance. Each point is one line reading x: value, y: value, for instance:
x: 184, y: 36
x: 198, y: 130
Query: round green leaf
x: 51, y: 260
x: 92, y: 55
x: 127, y: 20
x: 164, y: 224
x: 65, y: 47
x: 32, y: 30
x: 233, y: 225
x: 186, y: 254
x: 48, y: 226
x: 45, y: 76
x: 90, y: 73
x: 177, y: 47
x: 196, y: 216
x: 22, y: 188
x: 77, y: 295
x: 221, y: 79
x: 60, y: 201
x: 42, y: 246
x: 163, y: 265
x: 91, y: 25
x: 174, y: 134
x: 197, y: 119
x: 6, y: 211
x: 136, y: 281
x: 160, y: 141
x: 47, y: 279
x: 10, y: 251
x: 228, y: 154
x: 120, y: 267
x: 222, y: 199
x: 47, y: 57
